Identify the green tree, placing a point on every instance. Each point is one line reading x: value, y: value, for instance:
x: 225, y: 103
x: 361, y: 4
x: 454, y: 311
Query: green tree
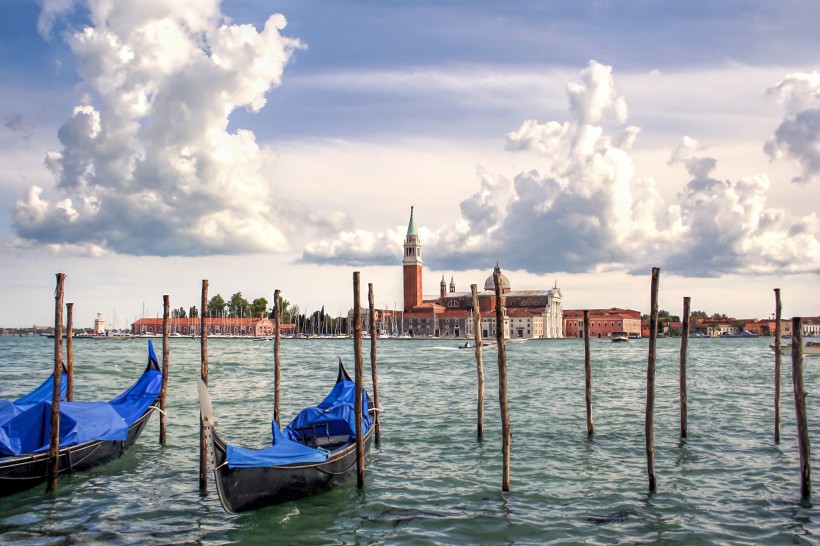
x: 284, y: 310
x: 238, y: 306
x: 699, y: 315
x: 668, y: 317
x: 193, y: 312
x: 178, y: 313
x: 259, y: 307
x: 216, y: 306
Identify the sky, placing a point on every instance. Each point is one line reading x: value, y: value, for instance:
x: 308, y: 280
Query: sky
x: 147, y: 145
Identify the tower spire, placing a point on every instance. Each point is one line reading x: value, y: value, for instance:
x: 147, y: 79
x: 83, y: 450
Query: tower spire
x: 411, y: 265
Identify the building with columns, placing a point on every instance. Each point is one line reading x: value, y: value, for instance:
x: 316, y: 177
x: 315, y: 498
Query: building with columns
x: 450, y: 314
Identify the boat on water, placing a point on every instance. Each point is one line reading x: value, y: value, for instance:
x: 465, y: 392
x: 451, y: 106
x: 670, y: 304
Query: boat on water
x: 91, y: 433
x: 314, y: 453
x: 811, y: 348
x: 619, y: 337
x: 742, y: 333
x: 484, y: 343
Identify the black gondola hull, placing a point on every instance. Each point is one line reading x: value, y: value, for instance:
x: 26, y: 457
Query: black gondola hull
x: 243, y: 489
x: 26, y: 471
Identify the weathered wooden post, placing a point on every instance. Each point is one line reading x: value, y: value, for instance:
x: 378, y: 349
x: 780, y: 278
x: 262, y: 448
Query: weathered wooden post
x: 277, y: 370
x: 588, y: 375
x: 650, y: 381
x: 203, y: 373
x: 166, y: 307
x: 777, y: 364
x: 800, y: 408
x: 684, y: 345
x: 54, y: 436
x: 357, y: 355
x: 69, y: 351
x: 502, y: 382
x: 478, y: 363
x: 373, y: 373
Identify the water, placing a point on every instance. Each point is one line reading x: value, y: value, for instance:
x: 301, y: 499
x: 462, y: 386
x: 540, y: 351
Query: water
x: 430, y: 482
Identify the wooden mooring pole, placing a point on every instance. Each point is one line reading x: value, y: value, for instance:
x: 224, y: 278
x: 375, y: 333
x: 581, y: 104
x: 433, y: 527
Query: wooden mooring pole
x: 357, y: 355
x: 649, y: 428
x: 203, y: 373
x: 69, y: 351
x: 777, y: 363
x: 373, y: 373
x: 478, y: 363
x: 588, y: 375
x: 166, y: 311
x: 684, y: 346
x: 502, y: 383
x: 801, y: 417
x: 277, y: 370
x: 54, y: 436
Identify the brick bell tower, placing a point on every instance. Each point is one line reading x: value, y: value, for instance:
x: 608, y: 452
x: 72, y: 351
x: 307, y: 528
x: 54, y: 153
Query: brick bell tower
x: 411, y: 264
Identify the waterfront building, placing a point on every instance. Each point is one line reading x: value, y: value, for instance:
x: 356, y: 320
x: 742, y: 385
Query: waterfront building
x: 252, y: 327
x: 602, y: 322
x: 527, y: 313
x: 99, y: 324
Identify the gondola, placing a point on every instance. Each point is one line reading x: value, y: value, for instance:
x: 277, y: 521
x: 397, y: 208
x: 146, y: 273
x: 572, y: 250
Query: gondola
x: 91, y: 433
x: 314, y: 453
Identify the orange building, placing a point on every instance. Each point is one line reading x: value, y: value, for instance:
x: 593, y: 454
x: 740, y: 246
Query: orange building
x: 602, y: 322
x: 252, y: 327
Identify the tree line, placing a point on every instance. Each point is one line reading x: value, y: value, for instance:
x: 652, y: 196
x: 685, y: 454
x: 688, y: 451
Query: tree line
x: 239, y: 307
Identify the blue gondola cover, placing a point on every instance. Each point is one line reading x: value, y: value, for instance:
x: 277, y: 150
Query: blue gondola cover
x: 29, y: 430
x: 45, y: 391
x: 334, y: 416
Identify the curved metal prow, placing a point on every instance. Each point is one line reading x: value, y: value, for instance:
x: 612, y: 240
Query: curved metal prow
x: 342, y: 372
x: 208, y: 423
x: 205, y: 408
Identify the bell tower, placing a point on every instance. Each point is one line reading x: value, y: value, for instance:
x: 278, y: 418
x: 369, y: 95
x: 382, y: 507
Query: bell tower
x: 411, y: 264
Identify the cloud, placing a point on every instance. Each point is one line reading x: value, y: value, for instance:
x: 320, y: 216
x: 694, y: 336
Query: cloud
x: 582, y: 209
x: 147, y: 164
x: 356, y: 248
x: 798, y: 135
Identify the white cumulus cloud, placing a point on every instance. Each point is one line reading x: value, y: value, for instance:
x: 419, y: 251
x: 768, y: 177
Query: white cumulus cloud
x: 147, y: 164
x: 581, y: 207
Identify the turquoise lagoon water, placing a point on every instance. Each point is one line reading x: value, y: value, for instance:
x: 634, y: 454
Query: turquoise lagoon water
x: 430, y: 482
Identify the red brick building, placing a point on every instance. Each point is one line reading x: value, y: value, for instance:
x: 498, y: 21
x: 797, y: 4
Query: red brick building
x: 527, y: 313
x: 252, y: 327
x: 602, y: 322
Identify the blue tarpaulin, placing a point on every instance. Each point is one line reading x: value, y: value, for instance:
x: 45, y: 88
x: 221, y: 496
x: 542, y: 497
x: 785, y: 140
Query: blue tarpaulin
x: 334, y: 416
x: 45, y: 391
x: 283, y: 451
x: 29, y: 429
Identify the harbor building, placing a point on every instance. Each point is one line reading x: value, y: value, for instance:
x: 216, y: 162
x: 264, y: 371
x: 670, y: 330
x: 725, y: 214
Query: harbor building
x: 528, y: 314
x: 602, y: 322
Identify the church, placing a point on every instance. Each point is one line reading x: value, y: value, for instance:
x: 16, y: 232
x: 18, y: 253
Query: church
x: 528, y: 314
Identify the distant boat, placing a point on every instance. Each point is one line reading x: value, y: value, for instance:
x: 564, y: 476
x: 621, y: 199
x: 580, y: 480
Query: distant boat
x: 742, y: 333
x: 619, y: 337
x: 468, y: 345
x: 811, y: 348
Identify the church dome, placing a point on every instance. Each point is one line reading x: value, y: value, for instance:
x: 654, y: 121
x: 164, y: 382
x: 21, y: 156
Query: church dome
x: 489, y: 284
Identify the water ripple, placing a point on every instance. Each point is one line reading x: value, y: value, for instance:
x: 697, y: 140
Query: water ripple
x: 431, y: 482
